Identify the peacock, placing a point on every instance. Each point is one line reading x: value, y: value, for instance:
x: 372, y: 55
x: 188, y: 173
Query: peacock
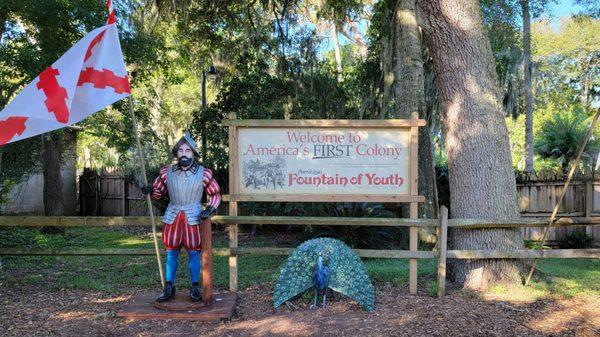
x: 320, y: 264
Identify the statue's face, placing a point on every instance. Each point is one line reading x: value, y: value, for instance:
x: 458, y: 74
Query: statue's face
x: 185, y: 150
x: 185, y: 155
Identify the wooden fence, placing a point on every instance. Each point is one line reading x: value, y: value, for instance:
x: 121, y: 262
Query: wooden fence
x: 537, y: 199
x: 232, y: 221
x: 110, y: 193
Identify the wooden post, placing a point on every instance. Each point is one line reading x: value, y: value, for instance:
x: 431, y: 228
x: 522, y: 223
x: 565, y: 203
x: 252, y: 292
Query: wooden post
x: 443, y: 246
x: 413, y: 243
x: 233, y: 244
x: 125, y: 203
x: 589, y: 205
x: 589, y: 198
x: 233, y: 209
x: 413, y: 246
x: 97, y: 194
x: 207, y: 265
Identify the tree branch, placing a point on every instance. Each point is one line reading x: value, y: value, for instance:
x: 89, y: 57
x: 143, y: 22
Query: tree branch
x: 353, y: 34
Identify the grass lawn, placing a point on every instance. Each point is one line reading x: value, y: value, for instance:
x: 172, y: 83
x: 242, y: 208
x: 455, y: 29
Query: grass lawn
x: 563, y: 277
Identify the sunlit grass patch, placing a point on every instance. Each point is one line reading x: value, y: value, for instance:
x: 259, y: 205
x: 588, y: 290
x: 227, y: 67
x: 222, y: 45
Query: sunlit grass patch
x: 555, y: 278
x: 514, y: 293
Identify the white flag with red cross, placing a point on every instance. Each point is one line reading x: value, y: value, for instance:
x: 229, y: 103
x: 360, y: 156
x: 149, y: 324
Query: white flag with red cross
x: 87, y: 78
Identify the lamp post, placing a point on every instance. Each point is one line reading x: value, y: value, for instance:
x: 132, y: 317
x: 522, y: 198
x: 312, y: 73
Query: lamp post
x: 212, y: 76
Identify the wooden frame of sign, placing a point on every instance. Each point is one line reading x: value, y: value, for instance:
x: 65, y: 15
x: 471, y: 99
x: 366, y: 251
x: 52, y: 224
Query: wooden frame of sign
x: 240, y: 192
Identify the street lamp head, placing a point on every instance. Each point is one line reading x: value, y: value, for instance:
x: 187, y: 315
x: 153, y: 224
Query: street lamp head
x: 212, y: 74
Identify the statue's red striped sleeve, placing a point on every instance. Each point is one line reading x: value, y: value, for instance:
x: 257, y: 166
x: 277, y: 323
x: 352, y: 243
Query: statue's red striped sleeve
x: 159, y: 186
x: 213, y: 191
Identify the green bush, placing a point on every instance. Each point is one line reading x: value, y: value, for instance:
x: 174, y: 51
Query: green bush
x: 361, y: 237
x: 577, y: 240
x: 529, y: 244
x: 5, y: 188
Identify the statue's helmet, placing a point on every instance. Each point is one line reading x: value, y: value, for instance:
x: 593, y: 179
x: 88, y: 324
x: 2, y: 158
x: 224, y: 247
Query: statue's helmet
x: 186, y: 138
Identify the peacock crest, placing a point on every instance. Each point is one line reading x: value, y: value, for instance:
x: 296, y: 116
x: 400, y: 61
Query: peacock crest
x: 340, y: 269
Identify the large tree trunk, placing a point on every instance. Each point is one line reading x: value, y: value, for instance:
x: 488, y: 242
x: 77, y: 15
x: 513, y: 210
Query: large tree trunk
x: 410, y: 98
x: 387, y: 73
x: 527, y: 86
x: 53, y: 187
x: 336, y: 48
x: 482, y: 182
x: 409, y: 62
x: 3, y: 19
x: 586, y: 86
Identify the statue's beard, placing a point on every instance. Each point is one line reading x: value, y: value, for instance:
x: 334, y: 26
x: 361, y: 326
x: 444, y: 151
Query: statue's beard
x: 184, y: 161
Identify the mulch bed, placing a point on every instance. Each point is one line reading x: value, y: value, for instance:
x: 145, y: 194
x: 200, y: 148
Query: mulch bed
x: 39, y: 312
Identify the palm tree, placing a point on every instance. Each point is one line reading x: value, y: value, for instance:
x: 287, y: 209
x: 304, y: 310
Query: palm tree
x: 560, y: 137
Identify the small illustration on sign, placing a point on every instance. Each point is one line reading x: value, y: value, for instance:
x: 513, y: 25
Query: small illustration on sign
x: 258, y: 174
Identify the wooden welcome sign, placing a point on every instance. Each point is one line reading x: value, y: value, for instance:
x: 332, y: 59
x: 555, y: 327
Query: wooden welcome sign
x: 324, y: 160
x: 320, y: 161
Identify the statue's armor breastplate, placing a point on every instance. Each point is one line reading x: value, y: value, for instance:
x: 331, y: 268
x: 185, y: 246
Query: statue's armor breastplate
x: 185, y: 194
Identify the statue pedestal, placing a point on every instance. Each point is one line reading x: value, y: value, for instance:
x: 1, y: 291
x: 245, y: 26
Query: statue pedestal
x: 212, y: 307
x: 144, y: 306
x: 181, y: 302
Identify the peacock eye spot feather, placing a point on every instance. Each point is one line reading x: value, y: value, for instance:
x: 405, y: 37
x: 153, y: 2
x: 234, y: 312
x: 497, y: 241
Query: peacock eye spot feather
x: 341, y: 270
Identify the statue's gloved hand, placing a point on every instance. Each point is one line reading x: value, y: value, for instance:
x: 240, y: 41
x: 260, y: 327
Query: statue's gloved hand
x: 207, y: 212
x: 146, y: 189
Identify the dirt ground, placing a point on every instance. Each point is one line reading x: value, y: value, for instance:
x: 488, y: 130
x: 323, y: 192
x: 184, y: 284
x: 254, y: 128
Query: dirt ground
x: 37, y: 312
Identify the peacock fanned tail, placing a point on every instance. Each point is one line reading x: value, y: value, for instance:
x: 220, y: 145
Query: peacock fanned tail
x: 348, y: 274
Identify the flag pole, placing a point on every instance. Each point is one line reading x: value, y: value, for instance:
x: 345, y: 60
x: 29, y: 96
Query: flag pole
x: 112, y: 20
x: 562, y: 194
x: 145, y: 182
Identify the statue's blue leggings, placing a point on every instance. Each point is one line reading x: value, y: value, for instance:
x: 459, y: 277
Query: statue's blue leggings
x: 193, y: 262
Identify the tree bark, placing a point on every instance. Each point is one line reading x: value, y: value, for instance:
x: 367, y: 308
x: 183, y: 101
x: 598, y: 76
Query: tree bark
x: 409, y: 64
x: 387, y: 73
x: 481, y: 178
x: 336, y: 48
x: 4, y: 14
x: 3, y: 18
x: 527, y: 86
x: 410, y: 99
x: 53, y: 187
x: 586, y: 85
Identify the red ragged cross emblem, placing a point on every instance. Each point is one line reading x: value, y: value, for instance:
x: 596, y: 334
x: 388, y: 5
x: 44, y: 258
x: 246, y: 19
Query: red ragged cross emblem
x: 56, y: 95
x: 10, y: 127
x: 103, y: 79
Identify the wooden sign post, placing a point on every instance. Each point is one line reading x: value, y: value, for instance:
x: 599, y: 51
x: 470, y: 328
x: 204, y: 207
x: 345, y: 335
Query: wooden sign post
x: 323, y: 161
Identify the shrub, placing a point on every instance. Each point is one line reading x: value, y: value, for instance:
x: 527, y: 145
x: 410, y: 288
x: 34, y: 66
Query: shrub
x: 576, y: 240
x: 359, y: 236
x: 5, y: 188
